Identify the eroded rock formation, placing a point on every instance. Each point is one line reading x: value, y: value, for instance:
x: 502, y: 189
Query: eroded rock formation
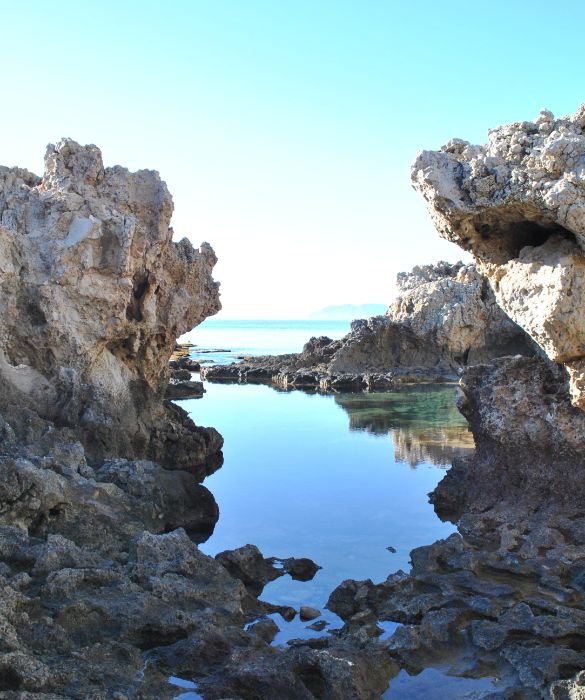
x: 93, y: 294
x: 504, y: 597
x: 518, y: 204
x: 103, y: 590
x: 445, y: 318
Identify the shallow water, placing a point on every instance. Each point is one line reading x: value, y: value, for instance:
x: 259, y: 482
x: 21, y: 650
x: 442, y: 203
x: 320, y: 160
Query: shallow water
x: 435, y: 684
x: 337, y: 478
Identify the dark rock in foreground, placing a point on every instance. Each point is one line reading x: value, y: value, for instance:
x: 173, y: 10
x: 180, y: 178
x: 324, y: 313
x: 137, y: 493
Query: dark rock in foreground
x: 181, y: 389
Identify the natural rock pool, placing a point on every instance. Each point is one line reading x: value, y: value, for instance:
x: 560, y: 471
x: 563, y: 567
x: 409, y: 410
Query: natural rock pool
x: 337, y: 478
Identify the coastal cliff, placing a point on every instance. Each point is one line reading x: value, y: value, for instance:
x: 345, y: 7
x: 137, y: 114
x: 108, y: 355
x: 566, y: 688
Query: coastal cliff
x: 445, y: 318
x: 518, y: 205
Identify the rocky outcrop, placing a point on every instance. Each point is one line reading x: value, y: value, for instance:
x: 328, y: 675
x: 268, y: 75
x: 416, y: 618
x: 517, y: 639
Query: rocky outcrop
x: 503, y: 600
x: 103, y: 590
x: 445, y: 319
x: 105, y: 593
x: 529, y: 453
x: 504, y: 597
x: 93, y: 294
x: 518, y: 204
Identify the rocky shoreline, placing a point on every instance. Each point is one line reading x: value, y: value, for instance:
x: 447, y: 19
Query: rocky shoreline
x: 504, y: 597
x: 445, y: 319
x: 105, y: 593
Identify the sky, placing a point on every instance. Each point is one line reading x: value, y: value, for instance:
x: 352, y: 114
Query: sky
x: 285, y: 129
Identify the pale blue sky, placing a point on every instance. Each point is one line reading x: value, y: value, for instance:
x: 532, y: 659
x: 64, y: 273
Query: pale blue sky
x: 285, y: 128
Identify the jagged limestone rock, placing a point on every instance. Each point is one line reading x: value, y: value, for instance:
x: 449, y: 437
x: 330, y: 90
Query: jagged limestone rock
x: 445, y: 319
x: 93, y: 294
x: 518, y: 204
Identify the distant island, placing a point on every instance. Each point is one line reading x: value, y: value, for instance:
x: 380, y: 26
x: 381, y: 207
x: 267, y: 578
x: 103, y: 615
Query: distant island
x: 349, y: 312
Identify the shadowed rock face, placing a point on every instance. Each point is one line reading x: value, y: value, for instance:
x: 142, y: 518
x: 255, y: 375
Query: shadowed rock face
x: 518, y: 204
x: 529, y: 436
x: 93, y: 294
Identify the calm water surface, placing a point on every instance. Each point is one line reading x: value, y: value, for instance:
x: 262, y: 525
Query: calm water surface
x: 337, y: 478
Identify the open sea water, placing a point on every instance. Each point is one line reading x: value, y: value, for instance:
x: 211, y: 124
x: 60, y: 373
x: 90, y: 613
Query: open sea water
x: 257, y: 337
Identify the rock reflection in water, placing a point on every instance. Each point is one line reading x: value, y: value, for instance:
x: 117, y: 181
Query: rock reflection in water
x: 423, y: 422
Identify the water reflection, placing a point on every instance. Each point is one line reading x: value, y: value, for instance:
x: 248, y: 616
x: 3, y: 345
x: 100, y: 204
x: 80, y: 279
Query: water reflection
x: 297, y: 482
x: 423, y: 422
x: 436, y: 684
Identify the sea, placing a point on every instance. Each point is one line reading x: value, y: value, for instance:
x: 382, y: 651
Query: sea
x: 229, y: 339
x: 340, y: 478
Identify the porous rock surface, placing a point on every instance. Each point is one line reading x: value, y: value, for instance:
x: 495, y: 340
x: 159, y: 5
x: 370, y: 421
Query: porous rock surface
x: 504, y: 597
x: 93, y: 294
x: 104, y: 592
x: 518, y: 204
x: 445, y: 318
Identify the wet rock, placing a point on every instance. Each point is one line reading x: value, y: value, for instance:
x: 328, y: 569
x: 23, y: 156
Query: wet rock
x: 249, y: 566
x: 307, y: 613
x: 332, y: 669
x: 180, y: 374
x: 266, y: 629
x: 180, y: 389
x: 318, y: 626
x: 183, y: 364
x: 299, y: 569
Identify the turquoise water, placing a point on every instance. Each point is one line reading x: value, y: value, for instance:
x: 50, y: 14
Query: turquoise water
x: 253, y: 337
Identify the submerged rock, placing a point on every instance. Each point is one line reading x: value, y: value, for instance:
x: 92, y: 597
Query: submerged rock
x: 181, y: 389
x: 307, y: 613
x: 247, y: 564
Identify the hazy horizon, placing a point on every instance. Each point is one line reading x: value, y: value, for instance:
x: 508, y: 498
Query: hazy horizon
x: 223, y: 317
x: 285, y: 131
